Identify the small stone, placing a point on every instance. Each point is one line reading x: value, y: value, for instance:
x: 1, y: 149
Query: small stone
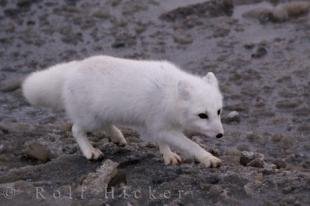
x: 118, y: 44
x: 215, y: 190
x: 260, y: 52
x: 256, y: 163
x: 249, y: 46
x: 269, y: 168
x: 252, y: 137
x: 279, y: 163
x: 119, y: 179
x: 38, y: 152
x: 306, y: 164
x: 243, y: 147
x: 100, y: 14
x: 233, y: 116
x: 1, y: 148
x: 277, y: 137
x: 24, y: 3
x: 11, y: 85
x: 69, y: 149
x: 259, y: 156
x: 246, y: 157
x: 287, y: 189
x: 182, y: 38
x: 212, y: 179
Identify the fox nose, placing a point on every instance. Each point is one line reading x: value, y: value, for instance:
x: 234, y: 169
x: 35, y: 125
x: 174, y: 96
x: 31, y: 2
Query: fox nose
x: 219, y: 135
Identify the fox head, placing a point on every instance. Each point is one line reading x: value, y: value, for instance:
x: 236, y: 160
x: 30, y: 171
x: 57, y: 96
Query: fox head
x: 200, y: 106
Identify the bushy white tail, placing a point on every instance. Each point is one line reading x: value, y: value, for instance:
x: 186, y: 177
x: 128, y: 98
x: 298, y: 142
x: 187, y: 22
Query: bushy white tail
x: 44, y: 88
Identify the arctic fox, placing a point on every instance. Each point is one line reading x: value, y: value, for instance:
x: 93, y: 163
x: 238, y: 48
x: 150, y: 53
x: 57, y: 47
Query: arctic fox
x: 160, y: 101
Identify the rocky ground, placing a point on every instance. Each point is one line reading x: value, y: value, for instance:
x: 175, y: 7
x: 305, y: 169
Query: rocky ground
x: 261, y: 59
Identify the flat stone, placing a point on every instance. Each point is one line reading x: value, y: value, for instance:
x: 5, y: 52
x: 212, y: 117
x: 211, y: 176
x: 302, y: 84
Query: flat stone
x: 97, y: 182
x: 38, y: 152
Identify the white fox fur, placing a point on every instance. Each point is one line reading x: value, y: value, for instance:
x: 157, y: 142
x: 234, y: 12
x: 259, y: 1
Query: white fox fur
x: 160, y: 101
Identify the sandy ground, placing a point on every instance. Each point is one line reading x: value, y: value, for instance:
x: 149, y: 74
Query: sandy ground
x: 263, y: 67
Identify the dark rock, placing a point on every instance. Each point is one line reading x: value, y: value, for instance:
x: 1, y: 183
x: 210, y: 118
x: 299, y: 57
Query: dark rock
x: 118, y: 179
x: 38, y: 152
x: 212, y: 179
x: 256, y: 163
x: 215, y: 190
x: 287, y: 189
x: 11, y: 12
x: 100, y: 14
x: 253, y: 137
x: 118, y: 44
x: 288, y: 104
x: 246, y: 157
x: 205, y: 9
x: 72, y: 2
x: 306, y: 164
x: 25, y: 3
x: 260, y: 52
x: 279, y: 163
x: 277, y: 137
x: 69, y: 149
x: 249, y: 46
x: 123, y: 40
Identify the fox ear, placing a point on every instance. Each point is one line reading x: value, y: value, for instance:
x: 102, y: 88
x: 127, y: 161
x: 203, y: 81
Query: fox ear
x: 211, y: 79
x: 184, y: 90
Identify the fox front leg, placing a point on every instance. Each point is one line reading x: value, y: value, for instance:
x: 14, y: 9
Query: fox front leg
x: 169, y: 156
x: 180, y: 141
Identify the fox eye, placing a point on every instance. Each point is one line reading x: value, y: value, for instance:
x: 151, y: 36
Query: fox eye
x: 203, y: 116
x: 219, y: 112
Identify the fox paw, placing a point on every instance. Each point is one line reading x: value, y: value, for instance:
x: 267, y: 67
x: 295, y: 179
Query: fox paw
x: 172, y: 158
x: 93, y: 154
x: 211, y: 161
x: 117, y: 137
x: 120, y: 140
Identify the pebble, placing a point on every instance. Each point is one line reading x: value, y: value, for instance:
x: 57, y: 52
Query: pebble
x: 38, y: 152
x: 279, y: 163
x: 118, y: 44
x: 256, y: 163
x: 212, y: 179
x: 233, y: 116
x: 1, y: 148
x: 260, y: 52
x: 11, y: 85
x: 182, y: 39
x: 269, y: 168
x: 249, y: 46
x: 246, y: 157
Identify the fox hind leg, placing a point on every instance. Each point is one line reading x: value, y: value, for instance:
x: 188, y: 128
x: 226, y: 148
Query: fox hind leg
x: 87, y: 149
x: 115, y: 135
